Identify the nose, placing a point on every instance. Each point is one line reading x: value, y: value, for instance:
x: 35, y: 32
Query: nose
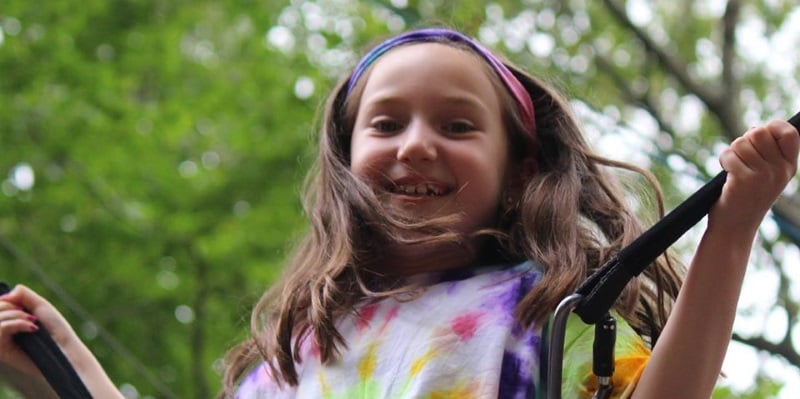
x: 418, y: 143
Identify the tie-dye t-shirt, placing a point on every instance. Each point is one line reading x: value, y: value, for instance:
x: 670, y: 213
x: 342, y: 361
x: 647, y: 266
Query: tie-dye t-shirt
x: 457, y: 339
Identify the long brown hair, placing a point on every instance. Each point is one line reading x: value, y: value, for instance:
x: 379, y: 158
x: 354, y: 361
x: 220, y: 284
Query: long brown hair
x: 569, y: 218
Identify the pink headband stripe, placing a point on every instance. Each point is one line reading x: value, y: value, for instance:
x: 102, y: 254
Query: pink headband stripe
x: 434, y: 34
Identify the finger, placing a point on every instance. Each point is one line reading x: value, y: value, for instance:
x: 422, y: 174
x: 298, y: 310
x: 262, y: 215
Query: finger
x: 10, y: 327
x: 741, y: 156
x: 13, y: 317
x: 6, y: 305
x: 10, y: 311
x: 788, y: 139
x: 766, y: 144
x: 15, y: 313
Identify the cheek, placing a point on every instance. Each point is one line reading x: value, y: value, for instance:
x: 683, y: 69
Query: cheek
x: 366, y: 159
x: 357, y: 156
x: 499, y: 166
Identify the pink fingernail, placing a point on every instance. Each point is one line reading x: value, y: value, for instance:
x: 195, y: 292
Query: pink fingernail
x: 31, y: 317
x: 34, y: 327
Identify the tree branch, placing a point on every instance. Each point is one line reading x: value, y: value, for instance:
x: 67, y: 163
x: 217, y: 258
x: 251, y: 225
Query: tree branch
x: 782, y: 349
x: 730, y: 85
x: 728, y: 111
x: 628, y: 92
x: 643, y: 100
x: 671, y: 63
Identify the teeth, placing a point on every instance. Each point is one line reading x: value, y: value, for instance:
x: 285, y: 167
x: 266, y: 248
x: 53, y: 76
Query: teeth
x: 419, y: 189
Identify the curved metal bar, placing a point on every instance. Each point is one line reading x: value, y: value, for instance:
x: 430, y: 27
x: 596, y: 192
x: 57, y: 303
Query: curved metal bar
x: 555, y: 353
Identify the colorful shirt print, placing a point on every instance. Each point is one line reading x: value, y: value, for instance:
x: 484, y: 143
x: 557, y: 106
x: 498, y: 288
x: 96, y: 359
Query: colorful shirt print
x: 457, y: 339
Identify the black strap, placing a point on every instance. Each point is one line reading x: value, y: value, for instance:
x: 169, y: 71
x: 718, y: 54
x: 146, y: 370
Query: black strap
x: 604, y: 286
x: 50, y: 360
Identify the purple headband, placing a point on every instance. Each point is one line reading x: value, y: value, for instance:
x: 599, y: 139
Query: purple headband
x: 430, y: 35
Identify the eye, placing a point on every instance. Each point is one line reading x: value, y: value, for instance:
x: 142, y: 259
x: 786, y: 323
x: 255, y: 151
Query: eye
x: 459, y: 126
x: 387, y: 125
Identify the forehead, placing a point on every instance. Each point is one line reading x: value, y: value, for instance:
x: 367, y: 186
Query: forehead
x: 418, y: 65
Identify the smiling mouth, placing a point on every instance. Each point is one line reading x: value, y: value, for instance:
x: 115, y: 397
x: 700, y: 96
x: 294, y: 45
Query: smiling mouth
x: 417, y: 190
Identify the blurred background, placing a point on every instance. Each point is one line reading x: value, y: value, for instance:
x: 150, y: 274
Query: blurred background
x: 152, y: 151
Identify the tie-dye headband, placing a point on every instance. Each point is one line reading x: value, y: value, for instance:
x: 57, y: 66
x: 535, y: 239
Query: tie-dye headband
x: 433, y: 34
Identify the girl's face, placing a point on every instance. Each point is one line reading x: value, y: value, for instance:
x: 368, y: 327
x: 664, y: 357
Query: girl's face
x: 429, y: 135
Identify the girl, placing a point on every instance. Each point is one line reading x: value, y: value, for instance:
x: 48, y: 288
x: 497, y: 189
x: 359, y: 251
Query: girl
x: 453, y: 204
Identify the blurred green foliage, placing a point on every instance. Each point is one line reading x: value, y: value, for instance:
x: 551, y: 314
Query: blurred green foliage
x: 168, y: 148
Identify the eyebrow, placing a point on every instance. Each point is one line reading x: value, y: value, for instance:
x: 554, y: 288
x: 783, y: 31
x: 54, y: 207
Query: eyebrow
x: 461, y: 99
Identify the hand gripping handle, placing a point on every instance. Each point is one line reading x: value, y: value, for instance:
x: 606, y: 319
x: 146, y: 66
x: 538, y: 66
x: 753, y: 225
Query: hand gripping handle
x: 51, y: 361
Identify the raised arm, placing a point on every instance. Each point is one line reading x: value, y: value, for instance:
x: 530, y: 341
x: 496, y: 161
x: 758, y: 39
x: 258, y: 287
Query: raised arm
x: 18, y: 311
x: 687, y: 360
